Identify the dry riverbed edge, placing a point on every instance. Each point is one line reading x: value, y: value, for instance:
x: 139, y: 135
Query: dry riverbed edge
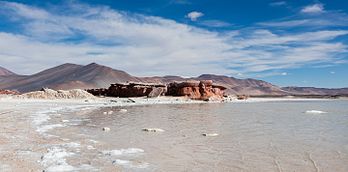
x: 26, y: 146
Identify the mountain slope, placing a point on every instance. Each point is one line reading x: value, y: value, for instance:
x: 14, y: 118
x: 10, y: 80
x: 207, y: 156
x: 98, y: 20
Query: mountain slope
x: 69, y: 76
x: 315, y: 91
x: 244, y: 86
x: 5, y: 72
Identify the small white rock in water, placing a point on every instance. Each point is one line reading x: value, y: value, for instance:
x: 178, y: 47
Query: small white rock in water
x: 106, y: 129
x: 110, y: 112
x: 210, y: 134
x: 105, y: 113
x: 153, y: 130
x: 315, y: 112
x: 123, y: 110
x: 90, y: 147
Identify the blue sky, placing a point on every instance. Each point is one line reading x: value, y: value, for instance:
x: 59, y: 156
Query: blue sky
x: 288, y: 43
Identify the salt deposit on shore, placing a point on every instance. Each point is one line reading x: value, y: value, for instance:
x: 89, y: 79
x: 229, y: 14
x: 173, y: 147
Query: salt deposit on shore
x: 60, y: 94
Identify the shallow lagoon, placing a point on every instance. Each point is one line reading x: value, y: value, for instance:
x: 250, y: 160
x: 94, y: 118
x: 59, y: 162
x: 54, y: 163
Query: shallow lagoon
x: 258, y: 136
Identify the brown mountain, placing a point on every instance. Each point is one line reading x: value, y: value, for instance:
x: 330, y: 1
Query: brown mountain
x: 67, y: 76
x: 5, y: 72
x: 244, y: 86
x: 70, y: 76
x: 316, y: 91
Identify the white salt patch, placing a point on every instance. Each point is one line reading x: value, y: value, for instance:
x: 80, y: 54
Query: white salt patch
x: 45, y: 128
x: 121, y: 162
x: 153, y: 130
x: 93, y: 141
x: 124, y: 152
x: 5, y: 168
x: 72, y: 145
x: 123, y: 110
x: 315, y: 112
x: 130, y: 164
x: 90, y: 147
x: 54, y: 160
x: 42, y: 116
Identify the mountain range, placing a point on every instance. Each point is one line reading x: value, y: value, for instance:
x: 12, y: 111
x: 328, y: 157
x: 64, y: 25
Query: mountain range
x: 70, y: 76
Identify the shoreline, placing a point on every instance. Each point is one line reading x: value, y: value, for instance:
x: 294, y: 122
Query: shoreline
x: 134, y: 101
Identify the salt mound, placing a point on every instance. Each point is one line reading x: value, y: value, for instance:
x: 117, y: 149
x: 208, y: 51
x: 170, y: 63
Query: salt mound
x: 60, y: 94
x: 315, y: 112
x: 210, y: 134
x: 153, y: 129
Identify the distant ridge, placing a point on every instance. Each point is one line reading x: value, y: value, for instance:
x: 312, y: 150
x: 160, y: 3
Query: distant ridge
x: 70, y: 76
x: 5, y: 72
x: 316, y: 91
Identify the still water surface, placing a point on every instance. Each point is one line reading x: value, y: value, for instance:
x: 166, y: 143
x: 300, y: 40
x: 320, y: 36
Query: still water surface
x: 264, y: 136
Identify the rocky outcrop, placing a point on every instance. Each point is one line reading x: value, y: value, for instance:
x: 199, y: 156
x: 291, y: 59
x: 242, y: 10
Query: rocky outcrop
x: 197, y: 90
x: 136, y: 90
x: 242, y: 97
x: 98, y: 91
x: 9, y: 92
x: 131, y: 90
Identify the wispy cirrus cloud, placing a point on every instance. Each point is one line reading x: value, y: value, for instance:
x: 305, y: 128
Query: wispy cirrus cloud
x: 313, y: 9
x: 278, y: 3
x: 312, y: 16
x: 149, y: 45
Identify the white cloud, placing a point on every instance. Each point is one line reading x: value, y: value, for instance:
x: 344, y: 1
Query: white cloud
x: 315, y: 8
x: 284, y: 73
x: 194, y: 15
x: 332, y: 72
x: 148, y: 45
x: 278, y: 3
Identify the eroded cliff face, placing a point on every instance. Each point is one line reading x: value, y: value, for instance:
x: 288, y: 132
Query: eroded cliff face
x: 202, y: 90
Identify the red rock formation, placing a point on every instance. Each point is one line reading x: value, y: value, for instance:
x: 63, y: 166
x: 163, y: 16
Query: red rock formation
x: 9, y: 92
x: 242, y: 97
x: 203, y: 90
